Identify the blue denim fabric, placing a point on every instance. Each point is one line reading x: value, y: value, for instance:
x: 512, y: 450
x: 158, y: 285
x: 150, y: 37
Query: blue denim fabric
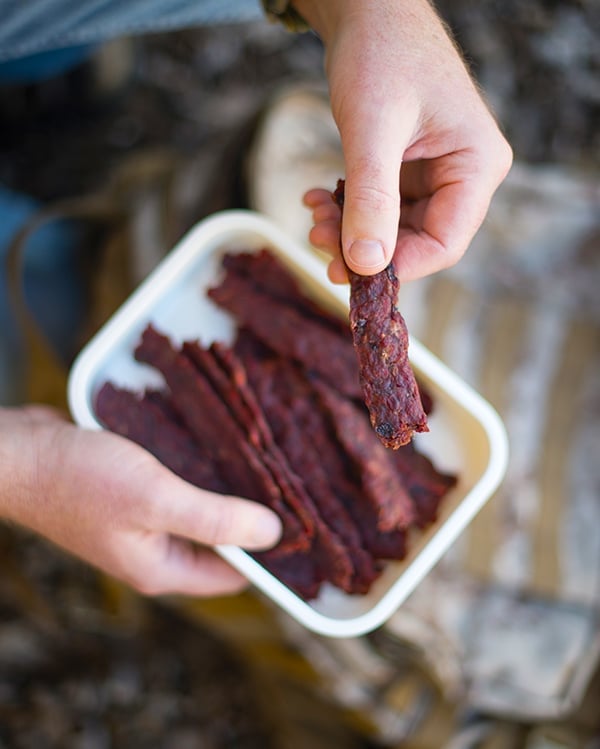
x: 52, y: 287
x: 43, y: 65
x: 31, y: 26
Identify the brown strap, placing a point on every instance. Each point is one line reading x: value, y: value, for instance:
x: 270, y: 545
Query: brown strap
x: 39, y: 352
x: 112, y: 206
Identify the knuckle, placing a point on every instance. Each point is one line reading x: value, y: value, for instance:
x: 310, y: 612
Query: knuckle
x: 366, y: 198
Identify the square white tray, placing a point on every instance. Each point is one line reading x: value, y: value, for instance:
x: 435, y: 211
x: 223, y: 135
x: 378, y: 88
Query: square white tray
x: 466, y: 434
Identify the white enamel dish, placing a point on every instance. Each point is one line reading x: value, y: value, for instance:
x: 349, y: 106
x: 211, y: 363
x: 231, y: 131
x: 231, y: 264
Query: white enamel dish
x: 466, y: 434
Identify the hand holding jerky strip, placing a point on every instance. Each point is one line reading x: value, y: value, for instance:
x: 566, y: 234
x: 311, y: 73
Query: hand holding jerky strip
x: 381, y: 343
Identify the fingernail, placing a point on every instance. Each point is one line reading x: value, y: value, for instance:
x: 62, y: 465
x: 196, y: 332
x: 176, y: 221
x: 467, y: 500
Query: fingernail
x: 367, y: 253
x: 267, y: 531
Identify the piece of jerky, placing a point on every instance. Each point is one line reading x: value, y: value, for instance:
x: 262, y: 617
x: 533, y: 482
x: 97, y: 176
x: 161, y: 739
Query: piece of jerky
x: 342, y: 473
x: 289, y: 404
x: 329, y: 541
x: 147, y: 421
x: 272, y: 277
x: 380, y: 482
x: 427, y: 486
x: 289, y: 333
x: 381, y: 343
x: 251, y: 422
x: 227, y: 375
x: 344, y: 477
x: 251, y: 351
x: 298, y: 571
x: 219, y: 437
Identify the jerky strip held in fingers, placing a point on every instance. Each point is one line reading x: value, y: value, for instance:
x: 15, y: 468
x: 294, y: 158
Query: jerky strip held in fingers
x: 381, y: 343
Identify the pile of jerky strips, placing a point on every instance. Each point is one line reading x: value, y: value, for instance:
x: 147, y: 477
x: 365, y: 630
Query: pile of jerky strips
x: 279, y: 417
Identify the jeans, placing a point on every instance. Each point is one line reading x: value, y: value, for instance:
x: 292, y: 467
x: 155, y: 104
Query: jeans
x: 28, y: 27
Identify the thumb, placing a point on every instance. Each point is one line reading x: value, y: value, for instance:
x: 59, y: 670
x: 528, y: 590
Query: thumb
x: 373, y: 144
x: 213, y: 519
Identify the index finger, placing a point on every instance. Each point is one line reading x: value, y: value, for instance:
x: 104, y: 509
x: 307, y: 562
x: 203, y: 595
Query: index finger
x: 437, y: 228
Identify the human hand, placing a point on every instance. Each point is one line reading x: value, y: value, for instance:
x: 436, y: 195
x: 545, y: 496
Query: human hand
x: 108, y: 501
x: 423, y: 155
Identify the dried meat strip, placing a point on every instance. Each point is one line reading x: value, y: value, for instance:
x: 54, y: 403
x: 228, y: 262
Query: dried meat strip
x: 145, y: 420
x: 219, y: 436
x: 381, y: 342
x: 299, y: 571
x: 228, y: 376
x: 288, y: 403
x: 427, y: 485
x: 289, y: 333
x: 250, y: 350
x: 344, y: 477
x: 251, y: 422
x: 380, y: 482
x: 271, y: 276
x: 342, y: 474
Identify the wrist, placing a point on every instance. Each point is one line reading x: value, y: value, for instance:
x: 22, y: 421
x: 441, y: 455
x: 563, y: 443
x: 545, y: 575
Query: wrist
x: 409, y: 20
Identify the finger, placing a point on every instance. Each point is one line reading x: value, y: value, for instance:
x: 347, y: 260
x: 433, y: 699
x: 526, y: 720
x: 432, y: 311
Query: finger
x: 337, y: 271
x: 435, y: 232
x: 190, y: 570
x: 39, y: 413
x: 212, y: 519
x: 326, y: 236
x: 170, y: 565
x: 373, y: 142
x: 317, y: 196
x: 326, y: 212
